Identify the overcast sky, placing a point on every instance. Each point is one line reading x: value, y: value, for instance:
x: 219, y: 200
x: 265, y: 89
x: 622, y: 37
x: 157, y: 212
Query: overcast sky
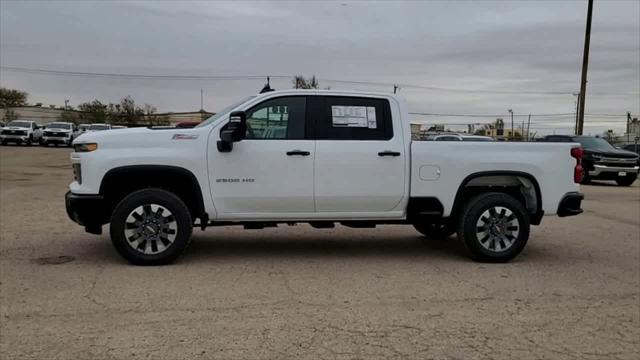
x: 484, y: 46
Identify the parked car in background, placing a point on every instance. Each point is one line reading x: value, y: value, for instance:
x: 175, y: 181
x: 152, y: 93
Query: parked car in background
x: 83, y: 127
x: 99, y: 127
x: 458, y: 137
x: 20, y: 132
x: 58, y: 133
x: 631, y: 147
x: 603, y: 161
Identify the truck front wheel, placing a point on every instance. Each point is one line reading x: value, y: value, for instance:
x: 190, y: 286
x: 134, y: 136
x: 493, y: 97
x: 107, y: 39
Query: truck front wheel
x: 494, y: 227
x: 151, y: 227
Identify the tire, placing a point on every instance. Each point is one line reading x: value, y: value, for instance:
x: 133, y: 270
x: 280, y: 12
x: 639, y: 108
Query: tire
x: 493, y: 227
x: 4, y: 143
x: 29, y: 141
x: 626, y: 180
x: 586, y: 180
x: 435, y: 231
x: 151, y: 227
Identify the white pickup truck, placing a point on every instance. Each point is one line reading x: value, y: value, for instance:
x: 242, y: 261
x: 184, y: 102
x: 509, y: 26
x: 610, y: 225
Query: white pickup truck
x: 20, y: 132
x: 317, y: 157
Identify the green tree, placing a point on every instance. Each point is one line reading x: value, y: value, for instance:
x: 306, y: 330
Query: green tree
x: 299, y: 82
x: 94, y: 111
x: 12, y: 98
x: 129, y: 112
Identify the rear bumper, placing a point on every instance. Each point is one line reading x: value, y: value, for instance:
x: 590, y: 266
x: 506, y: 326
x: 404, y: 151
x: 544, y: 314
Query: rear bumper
x: 87, y: 210
x: 570, y: 204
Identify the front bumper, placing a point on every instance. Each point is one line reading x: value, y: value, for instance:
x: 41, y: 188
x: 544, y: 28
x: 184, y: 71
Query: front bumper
x: 14, y: 138
x: 608, y: 170
x: 56, y: 139
x: 87, y: 210
x: 570, y: 204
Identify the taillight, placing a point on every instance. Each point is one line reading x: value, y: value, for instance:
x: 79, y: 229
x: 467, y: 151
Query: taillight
x: 578, y: 170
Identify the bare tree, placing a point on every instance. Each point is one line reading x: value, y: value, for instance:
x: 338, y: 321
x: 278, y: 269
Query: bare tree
x: 299, y: 82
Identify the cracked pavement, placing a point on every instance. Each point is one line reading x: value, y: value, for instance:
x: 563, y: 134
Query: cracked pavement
x: 303, y: 293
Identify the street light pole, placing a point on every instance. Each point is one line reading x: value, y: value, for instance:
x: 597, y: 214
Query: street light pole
x: 511, y: 136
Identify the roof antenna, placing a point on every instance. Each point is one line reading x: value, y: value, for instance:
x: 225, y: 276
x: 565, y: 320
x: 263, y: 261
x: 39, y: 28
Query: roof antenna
x: 267, y: 87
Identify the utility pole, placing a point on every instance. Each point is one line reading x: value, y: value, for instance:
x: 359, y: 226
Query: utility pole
x: 528, y: 126
x: 511, y: 111
x: 66, y: 104
x: 395, y: 88
x: 575, y: 126
x: 585, y: 65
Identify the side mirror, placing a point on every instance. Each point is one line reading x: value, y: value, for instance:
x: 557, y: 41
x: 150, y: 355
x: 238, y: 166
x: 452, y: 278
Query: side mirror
x: 234, y: 131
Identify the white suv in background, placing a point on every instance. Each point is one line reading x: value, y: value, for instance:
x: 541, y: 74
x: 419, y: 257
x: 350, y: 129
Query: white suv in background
x: 58, y: 133
x: 20, y: 132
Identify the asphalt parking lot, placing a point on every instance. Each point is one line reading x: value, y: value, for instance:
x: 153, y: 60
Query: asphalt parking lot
x: 302, y: 293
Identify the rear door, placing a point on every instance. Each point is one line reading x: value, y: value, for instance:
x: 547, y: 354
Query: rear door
x: 360, y: 159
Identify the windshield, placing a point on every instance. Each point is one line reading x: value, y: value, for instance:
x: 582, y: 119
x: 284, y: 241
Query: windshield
x: 99, y: 127
x: 224, y: 111
x: 59, y: 126
x: 591, y: 143
x: 24, y: 124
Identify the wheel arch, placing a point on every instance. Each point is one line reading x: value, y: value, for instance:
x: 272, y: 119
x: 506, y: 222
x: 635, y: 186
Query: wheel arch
x: 530, y: 192
x: 121, y: 181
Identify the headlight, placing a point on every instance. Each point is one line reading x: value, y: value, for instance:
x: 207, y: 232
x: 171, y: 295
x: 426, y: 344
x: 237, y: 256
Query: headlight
x: 86, y: 147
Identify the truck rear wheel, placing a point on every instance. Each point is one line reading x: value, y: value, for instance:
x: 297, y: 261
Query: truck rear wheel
x: 494, y: 227
x: 434, y: 231
x: 151, y: 227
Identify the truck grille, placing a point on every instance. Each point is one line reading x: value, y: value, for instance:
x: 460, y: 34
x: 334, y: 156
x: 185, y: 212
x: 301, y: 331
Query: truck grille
x: 14, y: 132
x: 77, y: 173
x: 52, y: 133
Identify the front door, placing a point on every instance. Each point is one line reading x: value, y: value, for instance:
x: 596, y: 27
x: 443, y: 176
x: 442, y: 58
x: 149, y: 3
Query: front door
x: 269, y: 174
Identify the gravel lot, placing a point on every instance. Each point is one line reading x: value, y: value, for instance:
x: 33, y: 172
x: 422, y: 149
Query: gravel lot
x: 301, y: 293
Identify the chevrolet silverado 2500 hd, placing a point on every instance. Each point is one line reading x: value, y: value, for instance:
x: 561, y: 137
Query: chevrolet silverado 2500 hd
x: 319, y: 157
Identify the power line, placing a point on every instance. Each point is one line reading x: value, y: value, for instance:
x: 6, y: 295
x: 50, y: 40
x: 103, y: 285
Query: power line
x: 260, y: 77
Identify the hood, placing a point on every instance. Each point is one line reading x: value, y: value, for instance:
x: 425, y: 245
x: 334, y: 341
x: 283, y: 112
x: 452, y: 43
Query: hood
x: 15, y: 128
x: 57, y: 129
x: 613, y: 153
x: 141, y: 137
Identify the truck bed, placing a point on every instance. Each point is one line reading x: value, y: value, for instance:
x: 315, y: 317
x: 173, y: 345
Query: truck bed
x: 438, y: 168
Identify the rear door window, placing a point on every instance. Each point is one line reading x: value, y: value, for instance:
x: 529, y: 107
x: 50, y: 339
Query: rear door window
x: 351, y: 118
